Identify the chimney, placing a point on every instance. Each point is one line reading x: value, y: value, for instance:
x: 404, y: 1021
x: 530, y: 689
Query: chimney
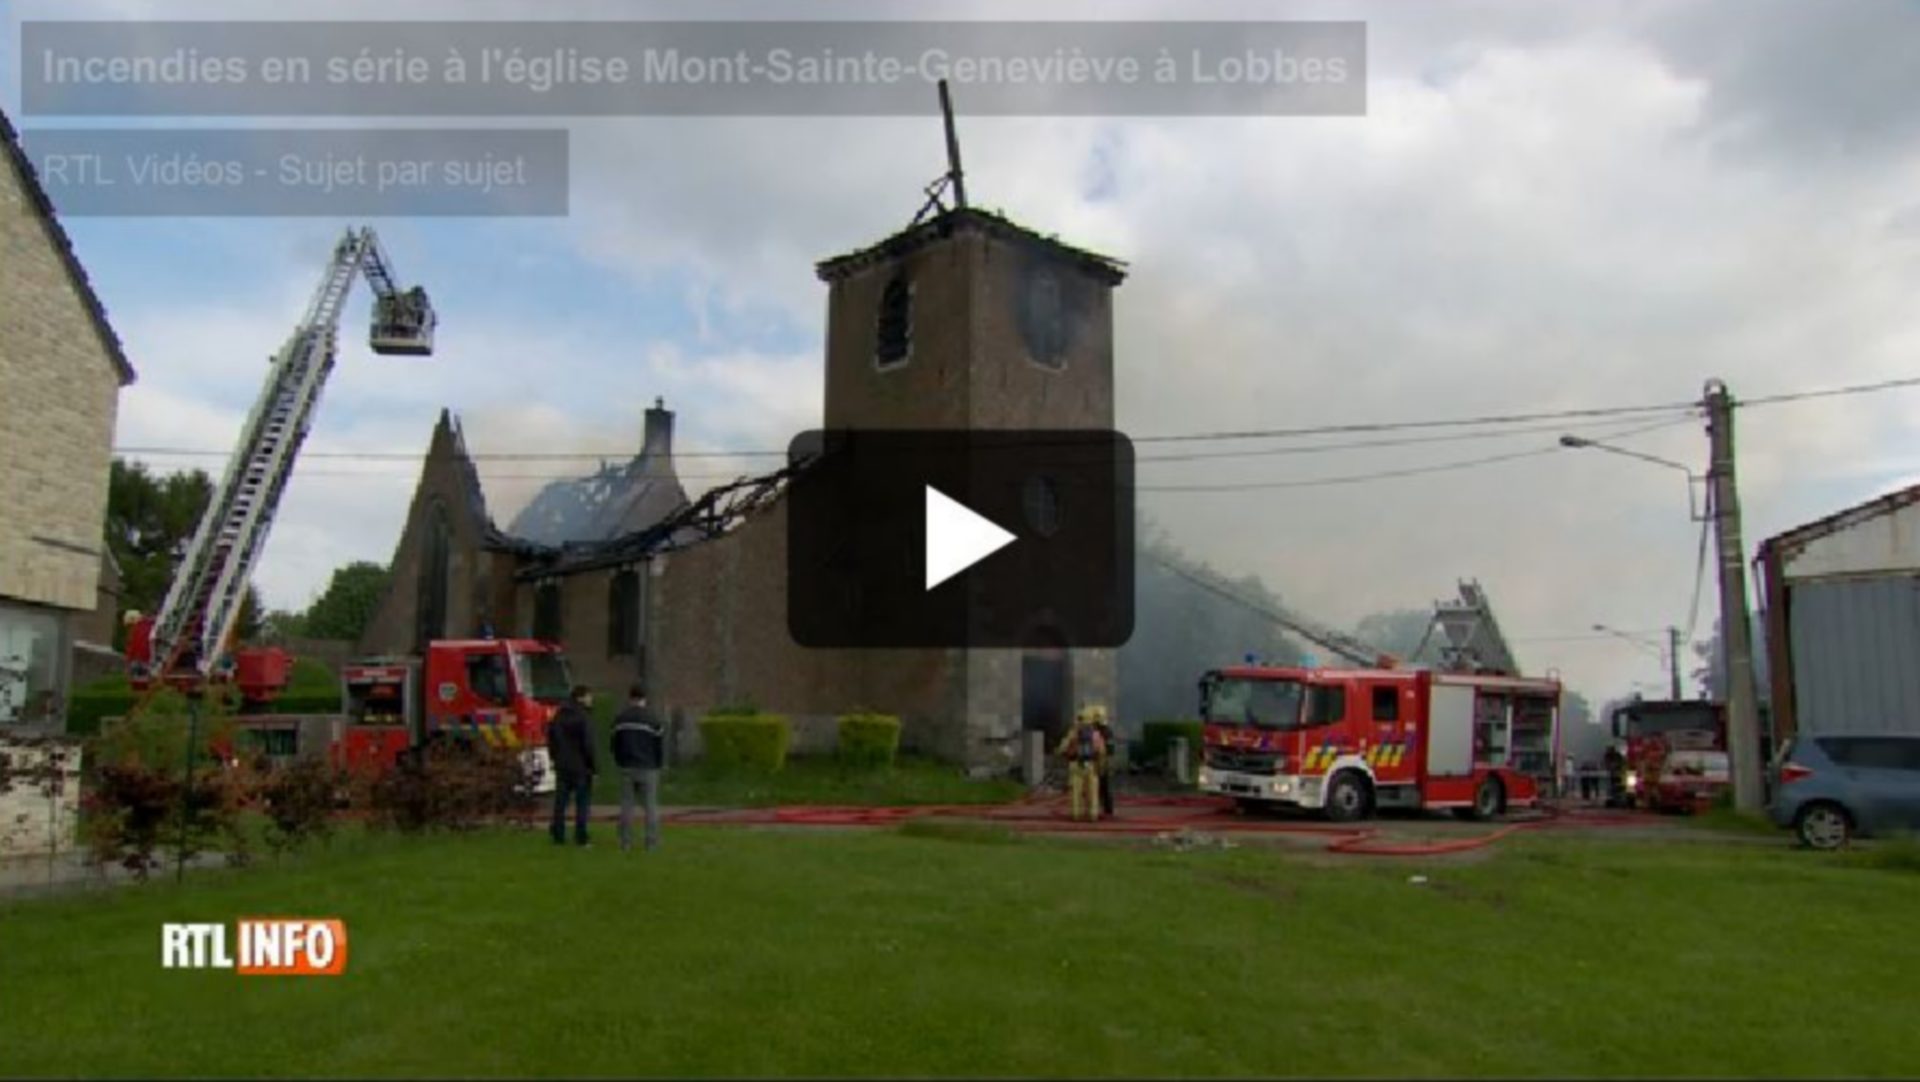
x: 657, y: 441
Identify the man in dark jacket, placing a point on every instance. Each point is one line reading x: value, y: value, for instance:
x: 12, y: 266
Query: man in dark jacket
x: 570, y: 746
x: 639, y: 751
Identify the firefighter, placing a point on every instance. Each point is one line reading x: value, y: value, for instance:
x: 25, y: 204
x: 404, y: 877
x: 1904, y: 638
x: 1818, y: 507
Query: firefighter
x: 1086, y: 755
x: 1105, y: 728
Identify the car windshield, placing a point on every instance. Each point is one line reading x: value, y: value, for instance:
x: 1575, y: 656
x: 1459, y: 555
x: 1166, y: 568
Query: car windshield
x: 543, y: 676
x: 1267, y: 704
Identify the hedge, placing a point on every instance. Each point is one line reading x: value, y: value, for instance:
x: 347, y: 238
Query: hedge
x: 754, y: 741
x: 87, y: 709
x: 1156, y: 739
x: 869, y: 740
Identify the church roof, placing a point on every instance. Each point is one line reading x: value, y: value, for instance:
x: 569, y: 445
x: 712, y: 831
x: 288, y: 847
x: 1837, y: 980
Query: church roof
x: 967, y: 220
x: 612, y: 502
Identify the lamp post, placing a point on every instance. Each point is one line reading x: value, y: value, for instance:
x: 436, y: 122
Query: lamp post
x: 1693, y: 503
x: 1669, y: 656
x: 1723, y: 509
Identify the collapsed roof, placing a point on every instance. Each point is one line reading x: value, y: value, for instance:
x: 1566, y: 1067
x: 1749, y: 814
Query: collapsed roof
x: 613, y: 501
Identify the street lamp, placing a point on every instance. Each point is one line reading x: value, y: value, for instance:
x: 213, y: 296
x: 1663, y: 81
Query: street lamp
x: 1693, y: 510
x: 1670, y: 655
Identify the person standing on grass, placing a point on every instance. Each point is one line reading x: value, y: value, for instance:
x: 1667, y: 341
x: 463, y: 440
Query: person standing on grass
x: 1105, y: 729
x: 570, y: 746
x: 1085, y: 754
x: 639, y: 751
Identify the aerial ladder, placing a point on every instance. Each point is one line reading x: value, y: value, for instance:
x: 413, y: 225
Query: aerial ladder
x: 187, y: 643
x: 1352, y: 650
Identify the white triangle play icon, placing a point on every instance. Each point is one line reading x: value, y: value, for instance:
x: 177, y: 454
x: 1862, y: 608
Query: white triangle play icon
x: 957, y: 537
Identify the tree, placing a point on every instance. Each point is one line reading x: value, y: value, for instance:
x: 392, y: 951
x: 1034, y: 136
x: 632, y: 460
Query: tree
x: 344, y: 609
x: 150, y: 521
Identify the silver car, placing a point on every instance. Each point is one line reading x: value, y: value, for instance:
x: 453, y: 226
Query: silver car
x: 1831, y: 788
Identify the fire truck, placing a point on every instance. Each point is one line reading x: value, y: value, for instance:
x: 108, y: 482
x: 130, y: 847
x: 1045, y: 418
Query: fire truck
x: 500, y: 692
x: 1673, y: 754
x: 1348, y: 742
x: 1473, y: 737
x: 188, y: 643
x: 494, y: 692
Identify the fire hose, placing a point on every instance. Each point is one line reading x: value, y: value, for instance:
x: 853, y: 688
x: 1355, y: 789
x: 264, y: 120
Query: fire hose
x: 1182, y: 813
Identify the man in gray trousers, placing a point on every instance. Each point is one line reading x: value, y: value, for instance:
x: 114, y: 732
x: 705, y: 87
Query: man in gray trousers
x: 639, y: 751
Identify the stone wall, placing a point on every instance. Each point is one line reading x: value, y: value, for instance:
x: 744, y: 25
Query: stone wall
x: 32, y: 820
x: 62, y: 389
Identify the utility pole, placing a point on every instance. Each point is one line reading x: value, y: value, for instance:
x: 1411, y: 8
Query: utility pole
x: 1743, y: 716
x: 1673, y: 659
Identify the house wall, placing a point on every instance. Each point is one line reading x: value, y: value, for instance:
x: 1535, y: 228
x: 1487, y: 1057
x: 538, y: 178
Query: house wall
x: 56, y: 417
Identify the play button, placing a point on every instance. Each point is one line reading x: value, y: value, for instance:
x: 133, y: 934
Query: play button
x: 905, y: 538
x: 957, y: 538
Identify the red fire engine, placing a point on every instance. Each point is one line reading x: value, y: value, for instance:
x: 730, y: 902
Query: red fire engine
x: 1673, y: 754
x: 497, y: 692
x: 1349, y: 741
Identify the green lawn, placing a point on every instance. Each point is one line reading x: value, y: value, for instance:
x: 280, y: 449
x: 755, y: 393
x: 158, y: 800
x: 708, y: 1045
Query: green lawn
x: 742, y: 953
x: 819, y: 781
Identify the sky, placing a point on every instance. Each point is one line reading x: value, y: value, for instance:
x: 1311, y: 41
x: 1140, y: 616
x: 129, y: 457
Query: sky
x: 1545, y: 206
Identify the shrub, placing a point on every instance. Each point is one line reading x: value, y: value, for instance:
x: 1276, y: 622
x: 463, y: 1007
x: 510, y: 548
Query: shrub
x: 87, y: 710
x: 1156, y: 739
x: 313, y: 676
x: 869, y: 740
x: 138, y: 798
x: 751, y: 741
x: 448, y: 785
x: 298, y: 798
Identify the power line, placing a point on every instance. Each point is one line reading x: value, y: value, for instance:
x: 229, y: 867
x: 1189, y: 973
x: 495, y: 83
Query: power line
x: 1398, y: 426
x: 1857, y: 388
x: 1382, y: 475
x: 1482, y: 421
x: 410, y: 457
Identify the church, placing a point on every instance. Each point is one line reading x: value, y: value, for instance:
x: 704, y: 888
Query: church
x: 964, y: 320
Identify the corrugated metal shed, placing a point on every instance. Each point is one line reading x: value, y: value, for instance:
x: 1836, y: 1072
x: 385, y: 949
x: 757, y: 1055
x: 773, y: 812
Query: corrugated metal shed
x: 1856, y: 654
x: 1842, y: 598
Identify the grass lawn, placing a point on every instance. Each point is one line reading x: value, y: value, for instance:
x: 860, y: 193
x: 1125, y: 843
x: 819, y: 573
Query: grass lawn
x: 819, y: 781
x: 930, y: 952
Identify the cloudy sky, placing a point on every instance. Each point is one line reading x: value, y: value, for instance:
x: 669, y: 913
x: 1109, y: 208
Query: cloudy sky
x: 1546, y: 206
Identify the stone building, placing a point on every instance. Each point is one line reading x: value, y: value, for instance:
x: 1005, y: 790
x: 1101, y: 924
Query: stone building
x: 61, y: 370
x: 965, y: 321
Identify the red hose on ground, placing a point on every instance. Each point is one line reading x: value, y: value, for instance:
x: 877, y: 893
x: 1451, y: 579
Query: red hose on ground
x: 1047, y: 814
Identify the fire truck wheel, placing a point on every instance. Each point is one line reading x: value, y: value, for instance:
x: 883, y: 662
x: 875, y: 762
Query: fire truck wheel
x: 1348, y: 798
x: 1489, y: 800
x: 1823, y: 825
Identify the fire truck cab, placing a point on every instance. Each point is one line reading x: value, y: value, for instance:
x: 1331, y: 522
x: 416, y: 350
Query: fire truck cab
x: 498, y: 692
x: 1347, y: 742
x: 1673, y: 754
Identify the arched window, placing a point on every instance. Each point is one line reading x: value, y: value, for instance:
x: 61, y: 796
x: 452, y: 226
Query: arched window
x: 623, y: 612
x: 893, y: 337
x: 546, y: 611
x: 430, y: 603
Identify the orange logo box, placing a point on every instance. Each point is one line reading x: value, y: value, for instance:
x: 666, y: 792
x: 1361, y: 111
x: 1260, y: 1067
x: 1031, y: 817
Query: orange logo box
x: 291, y: 947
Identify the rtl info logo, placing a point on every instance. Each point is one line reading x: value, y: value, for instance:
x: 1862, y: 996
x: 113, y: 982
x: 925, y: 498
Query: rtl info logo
x: 263, y: 947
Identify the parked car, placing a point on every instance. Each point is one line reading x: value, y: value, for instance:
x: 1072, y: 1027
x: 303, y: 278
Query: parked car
x: 1831, y: 788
